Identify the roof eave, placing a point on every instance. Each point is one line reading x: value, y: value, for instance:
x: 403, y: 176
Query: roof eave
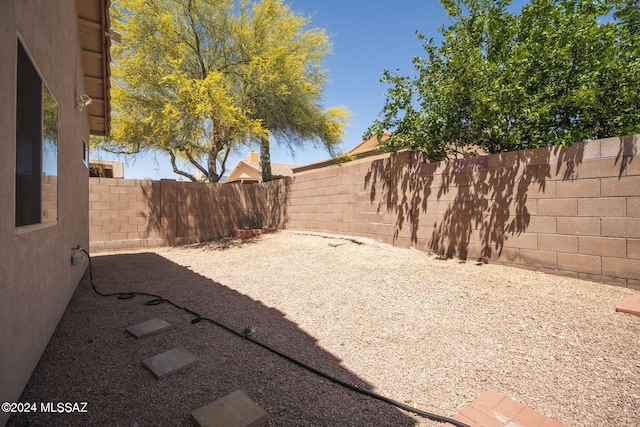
x: 94, y: 25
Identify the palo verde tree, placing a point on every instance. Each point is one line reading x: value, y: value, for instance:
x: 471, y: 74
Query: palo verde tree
x: 561, y: 71
x: 284, y: 79
x: 193, y: 79
x: 171, y: 92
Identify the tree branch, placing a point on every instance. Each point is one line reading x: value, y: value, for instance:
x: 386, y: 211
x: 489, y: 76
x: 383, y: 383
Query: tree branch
x: 203, y: 67
x: 178, y: 171
x: 224, y: 162
x: 196, y: 164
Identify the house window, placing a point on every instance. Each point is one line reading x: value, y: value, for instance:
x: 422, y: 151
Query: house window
x: 97, y: 170
x: 36, y: 146
x: 85, y: 153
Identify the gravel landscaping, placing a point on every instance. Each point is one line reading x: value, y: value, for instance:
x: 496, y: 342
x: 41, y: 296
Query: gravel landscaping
x: 430, y: 333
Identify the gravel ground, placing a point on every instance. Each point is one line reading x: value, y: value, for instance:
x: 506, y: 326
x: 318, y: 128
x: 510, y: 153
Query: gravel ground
x: 430, y: 333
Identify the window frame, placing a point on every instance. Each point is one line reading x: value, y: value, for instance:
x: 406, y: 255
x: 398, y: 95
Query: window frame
x: 34, y: 206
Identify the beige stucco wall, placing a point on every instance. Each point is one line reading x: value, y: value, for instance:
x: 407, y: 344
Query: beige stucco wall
x: 37, y: 278
x: 116, y: 166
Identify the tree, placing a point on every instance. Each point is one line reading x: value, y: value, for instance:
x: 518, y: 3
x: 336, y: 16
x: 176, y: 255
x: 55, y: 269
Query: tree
x: 285, y: 79
x: 560, y: 71
x: 193, y: 79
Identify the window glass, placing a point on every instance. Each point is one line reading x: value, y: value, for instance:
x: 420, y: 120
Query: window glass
x: 36, y: 146
x: 49, y: 156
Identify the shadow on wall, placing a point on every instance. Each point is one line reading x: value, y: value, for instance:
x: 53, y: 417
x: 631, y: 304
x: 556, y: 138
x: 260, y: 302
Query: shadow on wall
x: 627, y: 152
x: 92, y: 359
x: 402, y: 193
x: 185, y: 212
x: 275, y: 197
x: 470, y: 208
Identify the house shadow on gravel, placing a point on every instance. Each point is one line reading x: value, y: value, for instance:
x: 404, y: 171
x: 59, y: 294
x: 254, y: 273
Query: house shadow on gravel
x: 91, y: 358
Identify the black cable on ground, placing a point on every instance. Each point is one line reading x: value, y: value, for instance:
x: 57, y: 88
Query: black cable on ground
x: 198, y: 318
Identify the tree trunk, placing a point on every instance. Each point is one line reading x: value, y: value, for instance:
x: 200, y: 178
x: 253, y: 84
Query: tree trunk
x: 212, y: 157
x: 212, y: 175
x: 265, y: 159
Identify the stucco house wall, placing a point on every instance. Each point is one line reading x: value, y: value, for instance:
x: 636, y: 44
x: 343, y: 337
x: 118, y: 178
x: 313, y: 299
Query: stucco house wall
x: 37, y: 277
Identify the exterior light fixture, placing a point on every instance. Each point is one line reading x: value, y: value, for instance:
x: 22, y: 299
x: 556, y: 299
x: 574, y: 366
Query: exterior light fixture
x: 83, y: 101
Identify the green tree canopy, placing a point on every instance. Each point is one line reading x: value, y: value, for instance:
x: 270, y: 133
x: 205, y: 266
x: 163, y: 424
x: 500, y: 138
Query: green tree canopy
x: 561, y: 71
x: 196, y: 79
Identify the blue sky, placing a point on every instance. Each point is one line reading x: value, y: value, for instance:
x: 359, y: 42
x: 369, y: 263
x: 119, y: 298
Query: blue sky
x: 367, y: 37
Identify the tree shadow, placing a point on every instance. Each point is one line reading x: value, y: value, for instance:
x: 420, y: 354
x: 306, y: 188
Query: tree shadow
x: 398, y: 193
x: 91, y: 358
x: 627, y: 152
x: 470, y: 208
x: 185, y: 212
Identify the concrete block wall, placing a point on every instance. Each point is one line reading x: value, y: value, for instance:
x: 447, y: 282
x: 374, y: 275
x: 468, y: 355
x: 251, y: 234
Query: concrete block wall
x: 572, y: 211
x: 49, y: 198
x: 140, y: 213
x: 337, y: 199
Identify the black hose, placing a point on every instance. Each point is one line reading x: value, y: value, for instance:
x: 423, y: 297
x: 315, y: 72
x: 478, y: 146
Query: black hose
x: 198, y: 318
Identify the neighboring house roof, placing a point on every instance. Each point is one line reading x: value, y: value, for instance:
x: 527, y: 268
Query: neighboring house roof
x: 369, y: 144
x: 282, y: 169
x: 367, y: 148
x: 249, y: 170
x: 94, y: 33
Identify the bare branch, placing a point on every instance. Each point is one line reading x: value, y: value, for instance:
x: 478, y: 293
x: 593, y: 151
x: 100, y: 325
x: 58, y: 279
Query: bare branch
x: 195, y: 163
x: 178, y: 171
x: 224, y: 161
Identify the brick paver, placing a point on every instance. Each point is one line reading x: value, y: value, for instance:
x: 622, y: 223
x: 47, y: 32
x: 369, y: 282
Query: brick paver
x: 630, y: 305
x: 492, y: 409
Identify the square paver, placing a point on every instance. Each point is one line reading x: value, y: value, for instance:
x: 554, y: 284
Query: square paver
x: 170, y: 362
x: 150, y: 327
x: 233, y: 410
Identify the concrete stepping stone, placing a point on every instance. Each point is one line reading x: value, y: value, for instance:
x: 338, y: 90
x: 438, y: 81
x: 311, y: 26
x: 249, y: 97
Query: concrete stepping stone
x: 170, y: 362
x: 233, y: 410
x: 150, y: 327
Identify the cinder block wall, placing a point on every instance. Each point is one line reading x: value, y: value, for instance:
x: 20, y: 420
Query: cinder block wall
x: 139, y: 213
x: 572, y: 211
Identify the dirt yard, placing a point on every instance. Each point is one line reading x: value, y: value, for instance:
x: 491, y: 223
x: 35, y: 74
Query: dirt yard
x: 430, y: 333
